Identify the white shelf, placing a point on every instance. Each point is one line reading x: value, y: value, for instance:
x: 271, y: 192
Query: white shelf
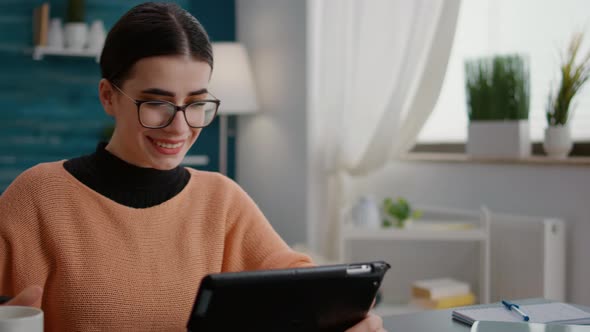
x: 357, y: 233
x: 40, y: 51
x: 448, y: 225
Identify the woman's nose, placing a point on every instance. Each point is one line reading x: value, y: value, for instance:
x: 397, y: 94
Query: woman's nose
x: 178, y: 123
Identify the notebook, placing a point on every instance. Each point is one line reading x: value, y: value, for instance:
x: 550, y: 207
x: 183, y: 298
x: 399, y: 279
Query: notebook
x: 545, y: 313
x: 526, y: 327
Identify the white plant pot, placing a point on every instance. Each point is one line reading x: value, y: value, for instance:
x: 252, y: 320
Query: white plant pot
x: 76, y: 35
x: 499, y: 139
x: 407, y: 224
x: 558, y: 142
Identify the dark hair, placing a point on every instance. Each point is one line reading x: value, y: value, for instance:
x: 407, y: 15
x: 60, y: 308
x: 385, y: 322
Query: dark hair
x: 152, y: 29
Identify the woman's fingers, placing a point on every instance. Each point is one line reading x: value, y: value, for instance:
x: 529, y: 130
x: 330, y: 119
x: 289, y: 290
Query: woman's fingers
x: 28, y: 297
x: 371, y: 323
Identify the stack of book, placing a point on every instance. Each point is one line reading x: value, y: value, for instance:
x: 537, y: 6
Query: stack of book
x: 441, y: 293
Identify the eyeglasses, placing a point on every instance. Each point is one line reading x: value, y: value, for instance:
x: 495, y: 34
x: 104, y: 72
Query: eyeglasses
x: 155, y: 114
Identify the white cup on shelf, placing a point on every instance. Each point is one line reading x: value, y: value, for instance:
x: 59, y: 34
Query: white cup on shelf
x: 55, y: 34
x: 96, y: 36
x: 76, y: 34
x: 20, y: 319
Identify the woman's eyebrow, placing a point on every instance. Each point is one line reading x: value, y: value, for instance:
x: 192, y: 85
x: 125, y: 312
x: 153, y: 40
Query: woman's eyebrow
x: 198, y: 92
x: 156, y: 91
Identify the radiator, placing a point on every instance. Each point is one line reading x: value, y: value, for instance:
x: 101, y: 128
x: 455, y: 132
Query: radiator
x: 527, y: 257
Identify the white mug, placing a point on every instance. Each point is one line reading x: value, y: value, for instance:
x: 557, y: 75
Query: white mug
x: 55, y: 36
x: 76, y: 34
x: 20, y: 319
x: 96, y: 36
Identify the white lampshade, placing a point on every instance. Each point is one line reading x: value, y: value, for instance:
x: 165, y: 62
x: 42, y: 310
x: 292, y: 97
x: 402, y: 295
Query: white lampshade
x: 232, y: 80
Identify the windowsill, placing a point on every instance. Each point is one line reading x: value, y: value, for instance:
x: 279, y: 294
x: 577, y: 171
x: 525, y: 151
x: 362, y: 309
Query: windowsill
x: 463, y: 158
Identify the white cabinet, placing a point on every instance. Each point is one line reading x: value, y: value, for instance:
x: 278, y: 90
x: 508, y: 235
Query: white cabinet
x: 501, y: 255
x: 425, y: 255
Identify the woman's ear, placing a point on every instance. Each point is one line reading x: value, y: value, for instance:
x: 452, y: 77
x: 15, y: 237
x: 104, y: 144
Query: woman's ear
x: 106, y: 94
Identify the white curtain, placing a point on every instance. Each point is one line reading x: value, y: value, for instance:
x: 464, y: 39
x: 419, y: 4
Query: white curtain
x: 376, y: 68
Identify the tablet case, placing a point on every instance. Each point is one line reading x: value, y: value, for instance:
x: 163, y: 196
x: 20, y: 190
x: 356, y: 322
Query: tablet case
x: 324, y: 298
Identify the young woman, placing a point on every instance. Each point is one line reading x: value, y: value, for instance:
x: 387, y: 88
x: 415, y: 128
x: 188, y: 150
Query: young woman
x: 118, y: 240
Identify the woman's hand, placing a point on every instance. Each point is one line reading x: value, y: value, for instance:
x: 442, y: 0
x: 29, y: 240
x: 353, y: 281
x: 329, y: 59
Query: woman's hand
x: 371, y: 323
x: 28, y: 297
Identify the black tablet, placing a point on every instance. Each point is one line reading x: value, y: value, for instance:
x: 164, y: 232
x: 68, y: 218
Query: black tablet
x: 322, y: 298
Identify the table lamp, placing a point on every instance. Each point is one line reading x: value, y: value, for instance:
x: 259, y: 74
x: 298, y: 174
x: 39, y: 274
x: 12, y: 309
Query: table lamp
x: 233, y: 84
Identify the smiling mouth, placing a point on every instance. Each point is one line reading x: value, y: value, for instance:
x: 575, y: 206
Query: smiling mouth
x: 167, y: 147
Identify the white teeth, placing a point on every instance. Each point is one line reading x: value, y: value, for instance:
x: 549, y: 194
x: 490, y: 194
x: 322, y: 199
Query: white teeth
x: 168, y: 146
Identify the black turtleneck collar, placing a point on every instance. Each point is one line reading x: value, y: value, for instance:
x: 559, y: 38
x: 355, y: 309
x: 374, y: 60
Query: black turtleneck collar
x: 125, y: 183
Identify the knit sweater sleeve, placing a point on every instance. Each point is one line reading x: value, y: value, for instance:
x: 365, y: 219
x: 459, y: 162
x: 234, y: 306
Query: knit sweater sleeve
x: 23, y: 262
x: 251, y: 242
x: 5, y: 282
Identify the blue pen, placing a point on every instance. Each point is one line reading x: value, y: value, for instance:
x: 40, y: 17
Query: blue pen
x: 515, y: 307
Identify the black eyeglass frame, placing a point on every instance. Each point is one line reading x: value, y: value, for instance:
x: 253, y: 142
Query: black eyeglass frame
x: 177, y: 108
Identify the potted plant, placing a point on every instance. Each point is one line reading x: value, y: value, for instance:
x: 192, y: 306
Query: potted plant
x: 399, y: 214
x: 558, y: 142
x: 497, y: 90
x: 76, y: 30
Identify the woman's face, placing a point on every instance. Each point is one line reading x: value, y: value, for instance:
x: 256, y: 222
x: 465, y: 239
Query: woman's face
x: 177, y: 79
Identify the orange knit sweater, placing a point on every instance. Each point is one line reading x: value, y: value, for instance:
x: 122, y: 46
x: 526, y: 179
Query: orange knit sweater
x: 108, y: 267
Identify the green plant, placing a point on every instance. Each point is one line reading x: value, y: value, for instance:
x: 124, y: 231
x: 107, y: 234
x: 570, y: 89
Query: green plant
x: 75, y: 11
x: 400, y: 210
x: 497, y: 88
x: 573, y: 77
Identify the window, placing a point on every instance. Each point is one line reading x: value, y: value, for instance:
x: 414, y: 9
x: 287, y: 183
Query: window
x: 540, y: 29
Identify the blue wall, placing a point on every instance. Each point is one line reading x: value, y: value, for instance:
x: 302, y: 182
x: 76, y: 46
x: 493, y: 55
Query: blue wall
x: 50, y: 108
